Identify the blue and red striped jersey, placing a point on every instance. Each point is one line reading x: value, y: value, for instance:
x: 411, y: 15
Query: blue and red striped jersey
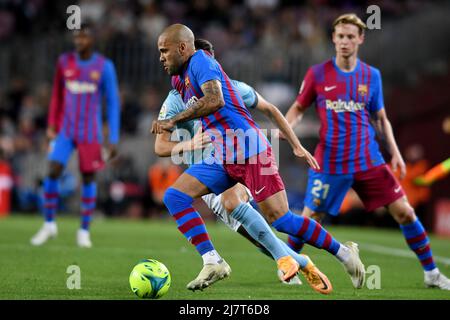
x: 234, y: 133
x: 79, y: 87
x: 344, y: 103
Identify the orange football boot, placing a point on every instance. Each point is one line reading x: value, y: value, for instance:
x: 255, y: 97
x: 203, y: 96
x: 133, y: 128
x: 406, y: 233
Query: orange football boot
x: 316, y: 279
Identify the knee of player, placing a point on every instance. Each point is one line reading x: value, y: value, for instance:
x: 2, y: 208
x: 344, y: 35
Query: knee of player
x: 406, y: 215
x: 230, y: 202
x: 88, y: 178
x: 318, y: 216
x: 175, y: 198
x: 56, y: 170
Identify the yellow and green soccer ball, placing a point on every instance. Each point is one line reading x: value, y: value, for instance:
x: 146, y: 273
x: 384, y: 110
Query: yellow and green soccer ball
x: 150, y: 279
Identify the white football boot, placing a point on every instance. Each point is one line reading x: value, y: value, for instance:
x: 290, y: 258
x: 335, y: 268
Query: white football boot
x: 354, y: 266
x: 437, y: 280
x: 84, y: 239
x: 47, y: 231
x: 210, y: 274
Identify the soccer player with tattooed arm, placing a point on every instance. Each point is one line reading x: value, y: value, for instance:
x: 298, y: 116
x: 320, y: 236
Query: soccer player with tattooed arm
x: 209, y: 94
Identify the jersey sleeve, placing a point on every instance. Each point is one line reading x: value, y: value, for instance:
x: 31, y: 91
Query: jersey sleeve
x: 205, y: 69
x: 56, y: 102
x: 376, y: 102
x: 307, y: 92
x: 171, y: 106
x: 110, y: 89
x: 247, y: 93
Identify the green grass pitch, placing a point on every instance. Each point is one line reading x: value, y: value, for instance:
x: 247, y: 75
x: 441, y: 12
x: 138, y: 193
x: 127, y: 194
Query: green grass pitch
x: 28, y: 272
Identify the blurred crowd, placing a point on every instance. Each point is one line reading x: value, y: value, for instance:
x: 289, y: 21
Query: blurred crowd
x: 237, y: 22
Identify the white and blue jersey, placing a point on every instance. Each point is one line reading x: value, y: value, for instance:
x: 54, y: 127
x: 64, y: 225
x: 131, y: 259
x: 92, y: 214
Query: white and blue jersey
x: 234, y: 133
x: 174, y: 104
x: 186, y: 130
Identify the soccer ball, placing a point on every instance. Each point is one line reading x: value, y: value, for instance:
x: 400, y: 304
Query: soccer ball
x: 150, y: 279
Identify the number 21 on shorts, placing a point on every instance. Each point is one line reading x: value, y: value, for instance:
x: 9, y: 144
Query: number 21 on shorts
x: 320, y: 189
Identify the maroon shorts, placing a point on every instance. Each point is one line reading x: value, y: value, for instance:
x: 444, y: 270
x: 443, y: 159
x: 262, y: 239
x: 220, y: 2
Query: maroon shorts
x: 259, y: 174
x: 377, y: 187
x: 90, y: 157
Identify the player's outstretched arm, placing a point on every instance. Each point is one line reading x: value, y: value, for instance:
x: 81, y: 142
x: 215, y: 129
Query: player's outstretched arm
x: 294, y: 114
x: 211, y: 102
x: 274, y: 114
x: 56, y: 103
x: 164, y: 147
x: 110, y: 89
x: 384, y: 129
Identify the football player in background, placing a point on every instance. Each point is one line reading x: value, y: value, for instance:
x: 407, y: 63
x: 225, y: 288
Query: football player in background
x: 82, y: 79
x: 348, y: 95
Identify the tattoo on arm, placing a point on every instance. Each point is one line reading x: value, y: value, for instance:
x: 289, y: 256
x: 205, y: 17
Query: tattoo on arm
x: 209, y: 103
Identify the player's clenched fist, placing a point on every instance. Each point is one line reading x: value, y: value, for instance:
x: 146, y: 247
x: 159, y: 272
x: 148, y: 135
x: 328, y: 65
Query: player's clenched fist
x: 158, y: 126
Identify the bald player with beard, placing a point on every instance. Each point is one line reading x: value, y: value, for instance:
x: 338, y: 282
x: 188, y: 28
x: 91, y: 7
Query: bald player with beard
x: 246, y: 158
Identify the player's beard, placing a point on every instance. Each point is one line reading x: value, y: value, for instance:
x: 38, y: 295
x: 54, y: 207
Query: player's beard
x: 176, y: 68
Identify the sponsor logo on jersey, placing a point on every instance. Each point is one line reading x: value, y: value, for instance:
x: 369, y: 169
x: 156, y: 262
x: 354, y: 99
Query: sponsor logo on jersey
x: 362, y: 89
x: 344, y: 106
x: 77, y: 87
x: 191, y: 101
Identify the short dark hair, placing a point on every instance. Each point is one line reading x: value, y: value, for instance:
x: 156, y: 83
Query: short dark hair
x: 87, y: 27
x: 202, y: 44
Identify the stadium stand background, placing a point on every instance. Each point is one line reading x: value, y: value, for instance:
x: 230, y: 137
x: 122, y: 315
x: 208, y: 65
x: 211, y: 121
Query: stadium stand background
x: 266, y: 43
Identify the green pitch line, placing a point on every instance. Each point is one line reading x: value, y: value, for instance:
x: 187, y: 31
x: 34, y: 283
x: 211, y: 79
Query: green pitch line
x: 28, y: 272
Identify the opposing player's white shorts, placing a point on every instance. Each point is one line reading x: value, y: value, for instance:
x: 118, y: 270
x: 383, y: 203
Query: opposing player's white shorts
x: 214, y: 202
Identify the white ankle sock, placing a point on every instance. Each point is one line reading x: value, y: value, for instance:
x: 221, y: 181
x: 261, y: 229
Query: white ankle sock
x: 343, y: 253
x: 211, y: 257
x: 50, y: 224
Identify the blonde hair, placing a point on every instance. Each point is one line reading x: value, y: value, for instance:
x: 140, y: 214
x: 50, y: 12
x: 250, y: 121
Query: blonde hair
x: 350, y: 18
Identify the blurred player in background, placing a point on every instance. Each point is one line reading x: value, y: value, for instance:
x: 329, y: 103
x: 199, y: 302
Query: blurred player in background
x: 82, y: 79
x: 246, y: 158
x: 348, y: 95
x: 439, y: 171
x: 233, y: 206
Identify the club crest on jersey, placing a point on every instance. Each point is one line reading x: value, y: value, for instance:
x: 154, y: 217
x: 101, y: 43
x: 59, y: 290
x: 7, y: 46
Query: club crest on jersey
x: 362, y: 89
x: 95, y: 75
x: 187, y: 83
